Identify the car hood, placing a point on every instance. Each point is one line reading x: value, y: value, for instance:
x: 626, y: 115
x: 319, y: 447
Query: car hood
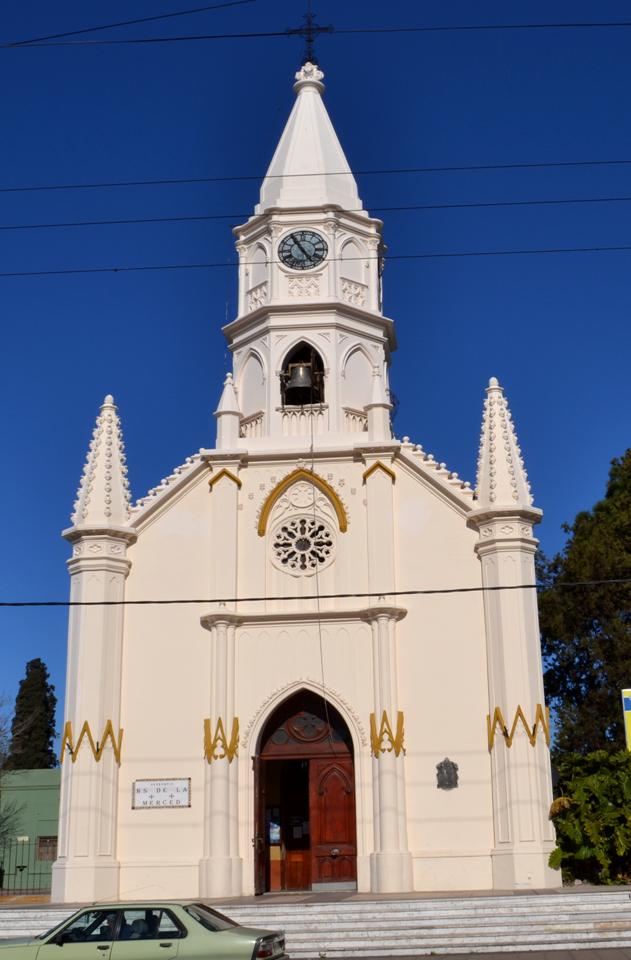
x: 17, y: 941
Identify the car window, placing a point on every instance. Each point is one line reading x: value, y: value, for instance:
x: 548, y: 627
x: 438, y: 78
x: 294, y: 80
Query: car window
x: 90, y: 926
x: 210, y: 919
x: 146, y: 923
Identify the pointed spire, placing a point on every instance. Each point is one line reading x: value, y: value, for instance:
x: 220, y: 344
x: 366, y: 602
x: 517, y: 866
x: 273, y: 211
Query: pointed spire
x: 228, y: 417
x: 103, y: 498
x: 309, y: 167
x: 502, y: 480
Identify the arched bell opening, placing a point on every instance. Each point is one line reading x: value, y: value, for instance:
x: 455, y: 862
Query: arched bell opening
x: 302, y: 376
x: 306, y: 835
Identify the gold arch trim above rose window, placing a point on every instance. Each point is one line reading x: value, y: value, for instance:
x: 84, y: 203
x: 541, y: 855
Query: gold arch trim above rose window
x: 289, y: 481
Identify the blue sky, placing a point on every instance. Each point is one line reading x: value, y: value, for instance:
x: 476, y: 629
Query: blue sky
x: 553, y: 328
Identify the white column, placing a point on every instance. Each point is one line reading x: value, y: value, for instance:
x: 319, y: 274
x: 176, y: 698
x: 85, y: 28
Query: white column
x: 220, y: 869
x: 87, y: 868
x: 391, y: 861
x: 521, y: 781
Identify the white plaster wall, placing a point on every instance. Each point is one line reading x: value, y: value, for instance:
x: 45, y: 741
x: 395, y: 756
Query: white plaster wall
x: 441, y: 674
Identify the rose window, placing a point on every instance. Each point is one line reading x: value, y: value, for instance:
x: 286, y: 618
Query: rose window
x: 302, y: 545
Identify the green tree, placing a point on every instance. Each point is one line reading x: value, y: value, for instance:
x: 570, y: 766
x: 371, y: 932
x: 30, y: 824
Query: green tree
x: 586, y: 631
x: 33, y: 726
x: 592, y: 817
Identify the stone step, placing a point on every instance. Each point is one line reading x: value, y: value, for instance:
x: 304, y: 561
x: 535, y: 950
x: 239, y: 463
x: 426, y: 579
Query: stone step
x: 380, y: 928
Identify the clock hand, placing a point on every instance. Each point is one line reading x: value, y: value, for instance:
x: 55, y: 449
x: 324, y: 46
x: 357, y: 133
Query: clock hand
x: 300, y: 247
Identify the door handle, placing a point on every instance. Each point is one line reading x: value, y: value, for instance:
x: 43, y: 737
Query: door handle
x: 166, y: 944
x: 103, y: 946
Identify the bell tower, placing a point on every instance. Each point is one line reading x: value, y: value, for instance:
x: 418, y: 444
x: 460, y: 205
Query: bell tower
x: 310, y: 344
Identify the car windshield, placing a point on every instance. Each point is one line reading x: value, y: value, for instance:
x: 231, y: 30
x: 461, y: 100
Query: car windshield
x: 208, y: 918
x: 48, y: 933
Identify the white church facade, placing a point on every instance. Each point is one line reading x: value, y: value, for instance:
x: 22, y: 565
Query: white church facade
x: 317, y: 723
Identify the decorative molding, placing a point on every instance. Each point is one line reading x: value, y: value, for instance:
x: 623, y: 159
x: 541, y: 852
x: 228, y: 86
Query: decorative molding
x: 317, y: 481
x: 219, y: 741
x: 304, y: 286
x: 378, y: 465
x: 67, y: 742
x: 257, y: 296
x: 216, y: 477
x: 286, y: 690
x: 385, y: 732
x: 542, y: 716
x: 353, y: 292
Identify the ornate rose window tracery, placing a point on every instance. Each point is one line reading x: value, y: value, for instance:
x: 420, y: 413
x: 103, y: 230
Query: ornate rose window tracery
x: 303, y: 545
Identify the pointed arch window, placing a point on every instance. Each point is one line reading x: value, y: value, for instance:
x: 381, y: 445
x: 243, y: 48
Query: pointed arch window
x: 302, y: 376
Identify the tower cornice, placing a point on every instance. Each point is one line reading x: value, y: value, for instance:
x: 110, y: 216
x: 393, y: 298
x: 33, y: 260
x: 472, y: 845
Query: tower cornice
x: 316, y: 309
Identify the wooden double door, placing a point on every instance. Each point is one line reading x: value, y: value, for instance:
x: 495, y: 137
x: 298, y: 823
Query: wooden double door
x: 305, y: 799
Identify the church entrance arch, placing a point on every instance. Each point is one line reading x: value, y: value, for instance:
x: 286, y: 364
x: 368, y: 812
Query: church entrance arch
x: 305, y: 836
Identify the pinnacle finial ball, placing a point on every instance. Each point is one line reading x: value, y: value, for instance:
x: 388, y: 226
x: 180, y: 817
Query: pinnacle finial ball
x: 109, y: 400
x: 494, y: 382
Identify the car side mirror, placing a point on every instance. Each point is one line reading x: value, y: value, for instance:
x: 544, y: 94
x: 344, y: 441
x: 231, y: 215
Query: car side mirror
x: 60, y: 939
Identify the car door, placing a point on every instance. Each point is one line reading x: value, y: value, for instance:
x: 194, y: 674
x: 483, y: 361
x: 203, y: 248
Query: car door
x: 146, y: 933
x: 88, y: 936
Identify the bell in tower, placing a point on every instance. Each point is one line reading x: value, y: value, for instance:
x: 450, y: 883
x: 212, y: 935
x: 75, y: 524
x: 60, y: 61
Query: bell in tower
x: 302, y: 377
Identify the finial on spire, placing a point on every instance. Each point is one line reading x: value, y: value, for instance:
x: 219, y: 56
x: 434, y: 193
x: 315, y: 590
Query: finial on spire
x: 502, y: 479
x: 103, y: 498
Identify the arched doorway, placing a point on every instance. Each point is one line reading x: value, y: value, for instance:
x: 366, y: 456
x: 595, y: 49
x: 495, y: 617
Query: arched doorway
x: 305, y: 837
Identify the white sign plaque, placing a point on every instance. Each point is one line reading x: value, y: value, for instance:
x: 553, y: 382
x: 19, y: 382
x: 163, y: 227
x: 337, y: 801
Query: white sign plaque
x: 151, y: 794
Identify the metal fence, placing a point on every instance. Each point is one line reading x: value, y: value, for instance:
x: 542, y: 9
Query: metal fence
x: 26, y: 866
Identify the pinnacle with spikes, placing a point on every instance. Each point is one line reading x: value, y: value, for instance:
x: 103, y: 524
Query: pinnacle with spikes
x: 103, y: 499
x: 502, y: 481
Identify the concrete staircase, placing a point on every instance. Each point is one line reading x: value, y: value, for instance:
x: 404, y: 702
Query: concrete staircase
x: 411, y: 927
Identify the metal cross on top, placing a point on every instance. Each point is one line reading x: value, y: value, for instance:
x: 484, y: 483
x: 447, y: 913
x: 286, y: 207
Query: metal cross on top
x: 309, y: 30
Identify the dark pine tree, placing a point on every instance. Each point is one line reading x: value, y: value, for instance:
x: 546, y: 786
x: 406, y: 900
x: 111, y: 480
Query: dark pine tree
x: 33, y: 726
x: 586, y: 631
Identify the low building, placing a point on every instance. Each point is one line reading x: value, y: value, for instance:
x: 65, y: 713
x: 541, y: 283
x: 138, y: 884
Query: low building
x: 26, y: 857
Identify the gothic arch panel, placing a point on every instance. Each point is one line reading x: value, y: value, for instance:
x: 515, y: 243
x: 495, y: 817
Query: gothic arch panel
x: 257, y: 259
x: 352, y: 263
x: 357, y: 379
x: 252, y: 385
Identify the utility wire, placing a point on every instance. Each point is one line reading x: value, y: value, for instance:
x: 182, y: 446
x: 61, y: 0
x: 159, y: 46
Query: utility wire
x: 390, y: 257
x: 334, y: 31
x: 244, y: 216
x: 126, y: 23
x: 322, y: 596
x: 167, y: 181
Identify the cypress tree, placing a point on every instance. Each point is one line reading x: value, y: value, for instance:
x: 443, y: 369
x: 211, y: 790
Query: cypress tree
x: 33, y: 726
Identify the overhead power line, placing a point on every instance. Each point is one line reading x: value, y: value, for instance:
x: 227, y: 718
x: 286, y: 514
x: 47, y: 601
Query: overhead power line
x: 334, y: 31
x: 576, y: 584
x: 167, y: 181
x: 242, y: 216
x: 127, y: 23
x: 146, y: 268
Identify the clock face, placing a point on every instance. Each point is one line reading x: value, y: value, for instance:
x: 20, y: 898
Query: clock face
x: 302, y: 250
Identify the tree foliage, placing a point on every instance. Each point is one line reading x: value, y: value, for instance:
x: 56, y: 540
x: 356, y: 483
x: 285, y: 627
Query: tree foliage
x: 586, y: 632
x: 592, y: 817
x: 9, y: 810
x: 33, y: 726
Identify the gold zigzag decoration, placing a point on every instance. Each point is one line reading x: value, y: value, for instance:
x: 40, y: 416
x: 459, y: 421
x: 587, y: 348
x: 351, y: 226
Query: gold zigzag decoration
x: 97, y: 748
x: 219, y: 741
x: 385, y: 733
x: 542, y: 716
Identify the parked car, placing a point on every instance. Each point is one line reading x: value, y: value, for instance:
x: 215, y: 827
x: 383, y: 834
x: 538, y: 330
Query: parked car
x: 148, y: 931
